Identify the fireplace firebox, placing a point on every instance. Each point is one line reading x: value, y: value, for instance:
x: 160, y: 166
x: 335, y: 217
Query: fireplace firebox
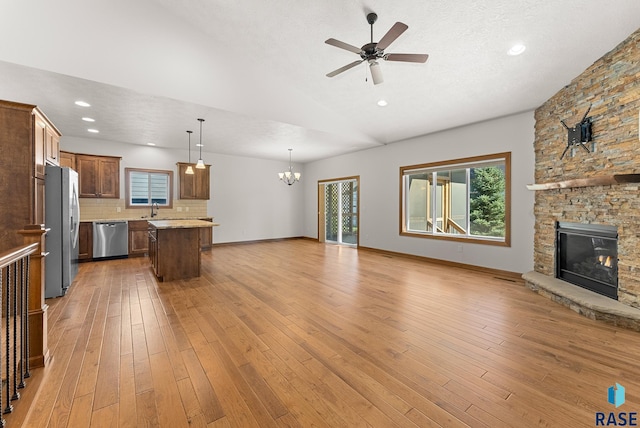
x: 587, y: 256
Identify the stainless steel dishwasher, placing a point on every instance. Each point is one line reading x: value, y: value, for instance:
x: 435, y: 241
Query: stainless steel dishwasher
x: 110, y: 239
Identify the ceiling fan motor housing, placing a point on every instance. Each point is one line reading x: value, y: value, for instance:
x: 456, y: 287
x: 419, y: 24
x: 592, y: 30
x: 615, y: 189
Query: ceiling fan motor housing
x: 370, y: 51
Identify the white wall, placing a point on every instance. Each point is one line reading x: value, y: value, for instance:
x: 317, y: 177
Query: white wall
x: 247, y: 198
x: 250, y: 203
x: 378, y: 169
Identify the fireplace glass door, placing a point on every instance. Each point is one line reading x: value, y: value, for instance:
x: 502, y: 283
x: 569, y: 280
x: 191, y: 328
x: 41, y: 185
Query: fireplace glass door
x: 587, y: 255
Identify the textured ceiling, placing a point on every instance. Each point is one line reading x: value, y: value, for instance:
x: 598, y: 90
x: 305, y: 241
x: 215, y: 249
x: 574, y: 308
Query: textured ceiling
x: 255, y: 70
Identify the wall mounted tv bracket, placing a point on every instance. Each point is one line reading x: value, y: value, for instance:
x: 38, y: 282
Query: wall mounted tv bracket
x: 579, y: 134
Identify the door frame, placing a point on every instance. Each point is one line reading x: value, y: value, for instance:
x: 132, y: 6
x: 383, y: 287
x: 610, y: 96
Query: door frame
x: 321, y: 205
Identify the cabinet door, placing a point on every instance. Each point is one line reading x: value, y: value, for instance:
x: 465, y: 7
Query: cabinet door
x: 187, y: 182
x: 206, y: 236
x: 38, y: 203
x: 138, y: 238
x: 109, y: 175
x: 39, y: 150
x: 85, y: 241
x: 52, y: 146
x: 68, y: 159
x: 202, y: 183
x: 87, y: 167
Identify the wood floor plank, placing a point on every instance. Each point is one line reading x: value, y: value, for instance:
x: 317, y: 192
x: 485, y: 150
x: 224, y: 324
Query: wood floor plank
x: 295, y: 333
x: 168, y: 403
x: 105, y: 417
x: 81, y: 411
x: 127, y: 415
x: 108, y: 379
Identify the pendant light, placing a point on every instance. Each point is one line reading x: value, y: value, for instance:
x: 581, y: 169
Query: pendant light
x: 289, y: 177
x: 189, y: 168
x: 200, y: 164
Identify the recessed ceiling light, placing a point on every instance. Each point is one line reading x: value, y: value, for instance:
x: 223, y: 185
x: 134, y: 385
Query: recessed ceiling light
x: 199, y: 145
x: 516, y: 49
x: 382, y: 103
x: 88, y: 119
x: 83, y: 104
x: 93, y: 131
x: 151, y: 144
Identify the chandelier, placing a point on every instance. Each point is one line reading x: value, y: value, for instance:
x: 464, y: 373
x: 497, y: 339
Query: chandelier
x: 289, y: 177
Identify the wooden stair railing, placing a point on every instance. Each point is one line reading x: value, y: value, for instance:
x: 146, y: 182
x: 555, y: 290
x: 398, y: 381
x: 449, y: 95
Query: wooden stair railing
x: 14, y: 316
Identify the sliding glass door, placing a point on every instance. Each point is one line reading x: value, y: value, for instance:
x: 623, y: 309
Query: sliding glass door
x: 338, y: 211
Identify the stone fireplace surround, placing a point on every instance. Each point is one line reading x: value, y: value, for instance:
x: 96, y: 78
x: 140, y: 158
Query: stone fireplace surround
x: 585, y: 190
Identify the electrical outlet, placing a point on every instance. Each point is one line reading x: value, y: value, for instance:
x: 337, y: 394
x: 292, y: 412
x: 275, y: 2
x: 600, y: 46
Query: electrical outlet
x: 187, y: 209
x: 118, y: 209
x: 459, y: 248
x: 179, y: 209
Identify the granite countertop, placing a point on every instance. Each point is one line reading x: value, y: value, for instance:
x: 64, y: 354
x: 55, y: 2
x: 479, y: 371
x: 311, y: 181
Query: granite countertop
x: 143, y: 218
x: 181, y: 224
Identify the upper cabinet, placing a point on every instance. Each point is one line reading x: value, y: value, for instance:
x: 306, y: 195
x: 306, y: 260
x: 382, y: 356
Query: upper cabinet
x: 68, y: 159
x: 52, y: 145
x: 98, y: 176
x: 23, y: 130
x: 46, y: 144
x: 196, y: 185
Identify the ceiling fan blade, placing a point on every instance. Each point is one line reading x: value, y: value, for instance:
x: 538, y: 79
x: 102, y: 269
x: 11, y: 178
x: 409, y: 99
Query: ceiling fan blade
x: 345, y: 68
x: 376, y: 73
x: 393, y: 33
x: 406, y: 57
x: 343, y: 45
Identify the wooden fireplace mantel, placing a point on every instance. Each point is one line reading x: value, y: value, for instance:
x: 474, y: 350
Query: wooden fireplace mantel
x: 603, y: 180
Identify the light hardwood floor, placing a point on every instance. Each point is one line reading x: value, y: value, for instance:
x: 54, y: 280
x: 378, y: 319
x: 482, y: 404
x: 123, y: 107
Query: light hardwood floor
x: 297, y: 333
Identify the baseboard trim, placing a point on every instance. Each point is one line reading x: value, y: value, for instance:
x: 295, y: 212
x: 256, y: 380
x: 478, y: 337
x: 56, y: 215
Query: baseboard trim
x: 258, y: 241
x: 504, y: 274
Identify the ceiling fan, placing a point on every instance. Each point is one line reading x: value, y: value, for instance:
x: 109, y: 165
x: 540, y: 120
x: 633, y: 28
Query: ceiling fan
x: 372, y: 52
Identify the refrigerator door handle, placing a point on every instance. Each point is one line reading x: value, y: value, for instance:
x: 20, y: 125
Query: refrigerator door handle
x: 75, y: 218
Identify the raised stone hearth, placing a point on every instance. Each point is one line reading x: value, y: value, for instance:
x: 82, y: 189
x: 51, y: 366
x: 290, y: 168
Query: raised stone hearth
x: 585, y: 302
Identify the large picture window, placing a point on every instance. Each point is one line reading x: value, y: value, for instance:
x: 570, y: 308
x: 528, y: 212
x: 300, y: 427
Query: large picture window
x: 147, y: 186
x: 462, y: 199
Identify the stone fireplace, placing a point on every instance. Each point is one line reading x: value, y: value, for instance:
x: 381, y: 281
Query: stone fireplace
x: 598, y: 188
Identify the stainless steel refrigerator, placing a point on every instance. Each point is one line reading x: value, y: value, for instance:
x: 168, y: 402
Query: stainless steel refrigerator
x: 62, y: 218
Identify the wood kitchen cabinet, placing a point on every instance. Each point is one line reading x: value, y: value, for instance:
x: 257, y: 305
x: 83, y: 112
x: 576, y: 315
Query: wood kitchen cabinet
x: 174, y: 248
x: 68, y: 159
x: 85, y: 241
x: 206, y: 235
x: 23, y: 130
x: 196, y: 185
x: 138, y: 238
x: 51, y: 146
x: 39, y: 156
x: 98, y: 176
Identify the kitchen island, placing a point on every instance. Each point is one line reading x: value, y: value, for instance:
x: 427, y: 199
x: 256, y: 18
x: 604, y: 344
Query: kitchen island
x: 174, y: 248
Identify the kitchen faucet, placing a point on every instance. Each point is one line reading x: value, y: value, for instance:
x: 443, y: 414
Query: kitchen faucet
x: 153, y: 214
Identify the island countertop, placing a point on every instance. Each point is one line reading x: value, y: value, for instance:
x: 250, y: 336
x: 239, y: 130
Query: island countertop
x: 181, y: 224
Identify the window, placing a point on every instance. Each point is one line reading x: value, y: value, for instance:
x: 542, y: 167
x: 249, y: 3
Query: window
x: 148, y: 186
x: 461, y: 200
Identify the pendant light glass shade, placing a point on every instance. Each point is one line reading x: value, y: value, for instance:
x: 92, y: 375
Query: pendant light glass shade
x: 200, y: 164
x: 189, y: 168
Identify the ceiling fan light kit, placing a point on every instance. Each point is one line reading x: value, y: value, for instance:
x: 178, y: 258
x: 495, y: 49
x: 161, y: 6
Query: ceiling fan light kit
x: 372, y: 52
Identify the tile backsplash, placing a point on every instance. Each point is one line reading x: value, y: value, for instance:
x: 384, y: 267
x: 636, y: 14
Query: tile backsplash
x: 114, y: 209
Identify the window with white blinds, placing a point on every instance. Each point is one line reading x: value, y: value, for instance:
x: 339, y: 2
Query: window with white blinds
x: 146, y: 187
